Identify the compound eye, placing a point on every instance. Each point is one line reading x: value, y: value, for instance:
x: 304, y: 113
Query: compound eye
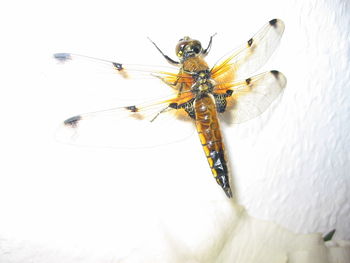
x: 197, y: 49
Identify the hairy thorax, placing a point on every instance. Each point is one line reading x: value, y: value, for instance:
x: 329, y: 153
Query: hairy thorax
x: 195, y: 64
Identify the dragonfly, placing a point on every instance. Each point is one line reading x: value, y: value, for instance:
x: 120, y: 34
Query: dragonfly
x: 200, y: 94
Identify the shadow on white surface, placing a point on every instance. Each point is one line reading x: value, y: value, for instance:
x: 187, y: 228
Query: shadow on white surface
x: 195, y: 232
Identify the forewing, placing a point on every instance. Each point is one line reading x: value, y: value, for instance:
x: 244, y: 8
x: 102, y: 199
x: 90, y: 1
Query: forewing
x: 126, y: 71
x: 247, y: 59
x: 251, y: 97
x: 132, y: 126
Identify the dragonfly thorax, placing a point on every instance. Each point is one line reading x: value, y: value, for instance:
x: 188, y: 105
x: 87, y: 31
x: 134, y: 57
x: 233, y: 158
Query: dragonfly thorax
x: 202, y: 76
x: 202, y: 82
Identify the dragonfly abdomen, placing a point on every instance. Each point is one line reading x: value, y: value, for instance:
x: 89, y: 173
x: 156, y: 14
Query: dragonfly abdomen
x: 207, y: 125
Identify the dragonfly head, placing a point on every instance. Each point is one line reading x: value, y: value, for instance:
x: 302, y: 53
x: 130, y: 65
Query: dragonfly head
x: 187, y: 47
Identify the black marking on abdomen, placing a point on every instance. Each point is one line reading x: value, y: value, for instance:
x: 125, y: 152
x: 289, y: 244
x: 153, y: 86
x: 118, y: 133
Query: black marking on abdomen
x: 219, y: 161
x: 132, y: 108
x: 248, y: 80
x: 219, y: 165
x: 210, y: 143
x: 273, y: 22
x: 250, y: 42
x: 118, y: 66
x: 72, y: 121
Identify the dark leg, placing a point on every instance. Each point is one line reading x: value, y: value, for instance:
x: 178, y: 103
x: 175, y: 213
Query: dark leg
x: 155, y: 117
x: 180, y: 89
x: 206, y: 51
x: 171, y: 61
x: 171, y: 84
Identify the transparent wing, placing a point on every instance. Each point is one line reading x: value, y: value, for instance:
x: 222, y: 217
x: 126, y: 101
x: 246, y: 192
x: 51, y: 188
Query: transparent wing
x: 251, y: 97
x: 135, y: 126
x: 126, y: 71
x: 247, y: 59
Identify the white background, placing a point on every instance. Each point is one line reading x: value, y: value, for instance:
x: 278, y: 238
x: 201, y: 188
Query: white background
x: 290, y: 166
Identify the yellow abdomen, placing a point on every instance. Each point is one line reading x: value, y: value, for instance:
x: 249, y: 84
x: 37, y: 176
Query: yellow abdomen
x: 208, y: 128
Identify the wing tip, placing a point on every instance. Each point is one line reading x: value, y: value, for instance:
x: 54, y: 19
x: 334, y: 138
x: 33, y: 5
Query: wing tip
x: 277, y: 24
x: 275, y: 73
x: 273, y: 22
x: 72, y: 122
x: 280, y: 77
x: 62, y: 57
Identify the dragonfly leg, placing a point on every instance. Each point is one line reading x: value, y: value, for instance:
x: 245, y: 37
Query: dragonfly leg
x: 161, y: 111
x: 180, y: 89
x: 171, y: 84
x: 170, y: 60
x: 206, y: 51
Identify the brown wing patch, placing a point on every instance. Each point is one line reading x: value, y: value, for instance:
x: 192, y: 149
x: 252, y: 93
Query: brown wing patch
x: 180, y: 100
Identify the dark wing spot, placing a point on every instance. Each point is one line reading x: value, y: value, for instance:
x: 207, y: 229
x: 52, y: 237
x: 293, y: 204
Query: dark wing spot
x: 118, y: 66
x: 248, y: 80
x: 273, y: 22
x: 250, y: 42
x: 132, y: 108
x: 275, y: 73
x: 173, y: 105
x: 228, y: 192
x: 72, y: 121
x: 282, y: 81
x: 229, y: 92
x: 62, y: 56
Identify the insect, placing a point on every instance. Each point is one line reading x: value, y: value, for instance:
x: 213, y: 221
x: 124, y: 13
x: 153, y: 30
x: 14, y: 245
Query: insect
x: 200, y: 93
